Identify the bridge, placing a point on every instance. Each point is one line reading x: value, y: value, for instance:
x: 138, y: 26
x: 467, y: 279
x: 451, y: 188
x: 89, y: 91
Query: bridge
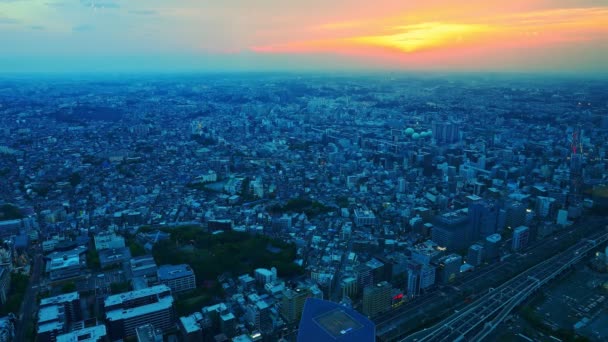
x: 486, y: 313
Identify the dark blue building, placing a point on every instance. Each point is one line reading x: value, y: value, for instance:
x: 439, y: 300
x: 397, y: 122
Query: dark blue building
x: 328, y: 321
x: 483, y: 219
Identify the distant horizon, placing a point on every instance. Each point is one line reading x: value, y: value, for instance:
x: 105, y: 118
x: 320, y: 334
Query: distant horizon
x: 546, y: 36
x: 442, y: 73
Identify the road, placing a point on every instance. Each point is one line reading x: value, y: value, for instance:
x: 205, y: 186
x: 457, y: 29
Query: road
x: 28, y: 307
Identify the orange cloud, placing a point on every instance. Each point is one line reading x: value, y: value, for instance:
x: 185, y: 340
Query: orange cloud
x: 449, y: 28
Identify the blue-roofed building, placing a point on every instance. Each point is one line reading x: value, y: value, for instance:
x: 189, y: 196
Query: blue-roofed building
x: 328, y: 321
x: 178, y: 277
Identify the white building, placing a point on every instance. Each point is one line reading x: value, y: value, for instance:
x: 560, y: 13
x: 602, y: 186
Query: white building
x: 264, y: 276
x: 107, y: 240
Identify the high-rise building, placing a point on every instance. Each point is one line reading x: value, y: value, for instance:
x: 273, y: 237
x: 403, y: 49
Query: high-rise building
x: 293, y: 303
x: 483, y: 218
x: 475, y: 255
x: 515, y: 215
x: 521, y: 236
x: 545, y: 206
x: 450, y: 230
x: 414, y: 271
x: 492, y: 247
x: 562, y: 217
x: 228, y: 324
x: 56, y: 314
x: 449, y: 268
x: 427, y: 276
x: 364, y: 276
x: 446, y: 132
x: 129, y: 310
x: 377, y: 299
x: 258, y: 314
x: 5, y: 283
x: 378, y: 270
x: 70, y: 302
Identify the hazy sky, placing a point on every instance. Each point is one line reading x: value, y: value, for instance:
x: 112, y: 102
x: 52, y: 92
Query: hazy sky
x: 181, y: 35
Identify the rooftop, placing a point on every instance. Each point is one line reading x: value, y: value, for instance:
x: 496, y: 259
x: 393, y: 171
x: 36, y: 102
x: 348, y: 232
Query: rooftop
x: 494, y: 238
x: 168, y: 272
x: 163, y: 303
x: 327, y: 321
x: 127, y: 296
x: 190, y: 323
x: 63, y: 298
x: 91, y: 334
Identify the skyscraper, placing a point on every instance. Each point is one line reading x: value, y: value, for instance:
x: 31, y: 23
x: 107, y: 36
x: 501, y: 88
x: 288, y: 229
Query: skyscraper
x: 483, y: 218
x: 377, y: 299
x: 521, y: 236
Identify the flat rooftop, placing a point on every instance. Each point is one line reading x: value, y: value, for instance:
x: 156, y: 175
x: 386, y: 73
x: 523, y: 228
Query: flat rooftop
x: 328, y: 321
x: 337, y: 323
x: 127, y: 296
x: 63, y: 298
x: 168, y: 272
x: 91, y: 334
x: 164, y: 303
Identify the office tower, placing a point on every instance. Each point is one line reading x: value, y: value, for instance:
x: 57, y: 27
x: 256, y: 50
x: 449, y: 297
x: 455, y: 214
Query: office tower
x: 376, y: 299
x: 515, y: 215
x: 293, y: 303
x: 228, y: 323
x: 328, y: 321
x: 364, y: 276
x: 446, y: 132
x: 492, y: 247
x: 475, y: 255
x: 562, y: 217
x: 414, y: 270
x: 545, y: 206
x: 450, y: 230
x: 258, y: 314
x: 449, y: 268
x: 377, y: 269
x: 179, y: 278
x: 427, y: 276
x: 483, y: 218
x: 5, y: 283
x: 521, y: 237
x: 426, y: 252
x: 349, y: 287
x: 129, y: 310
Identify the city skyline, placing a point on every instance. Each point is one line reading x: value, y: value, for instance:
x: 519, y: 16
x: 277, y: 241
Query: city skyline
x: 99, y: 36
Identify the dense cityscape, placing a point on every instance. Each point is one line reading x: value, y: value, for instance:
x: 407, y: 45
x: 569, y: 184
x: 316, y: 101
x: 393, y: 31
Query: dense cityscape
x: 301, y: 207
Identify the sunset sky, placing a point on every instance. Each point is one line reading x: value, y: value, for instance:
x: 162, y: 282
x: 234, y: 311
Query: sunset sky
x: 182, y: 35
